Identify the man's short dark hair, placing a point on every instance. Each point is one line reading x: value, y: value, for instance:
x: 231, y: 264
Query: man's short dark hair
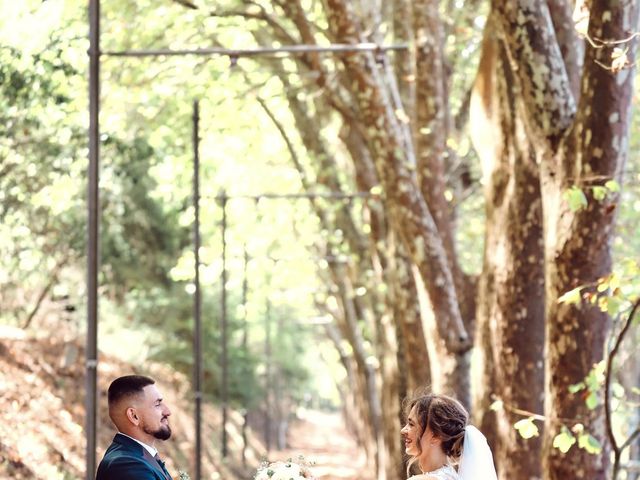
x: 126, y: 386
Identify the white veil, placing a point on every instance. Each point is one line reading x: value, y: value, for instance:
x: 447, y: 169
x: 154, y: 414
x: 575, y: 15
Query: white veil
x: 477, y: 460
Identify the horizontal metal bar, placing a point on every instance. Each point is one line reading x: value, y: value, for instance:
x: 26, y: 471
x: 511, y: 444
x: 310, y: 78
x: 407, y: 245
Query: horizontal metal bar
x: 249, y: 52
x: 298, y: 258
x: 294, y: 196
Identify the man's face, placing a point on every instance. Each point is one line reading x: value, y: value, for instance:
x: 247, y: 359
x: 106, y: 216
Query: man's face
x: 154, y: 414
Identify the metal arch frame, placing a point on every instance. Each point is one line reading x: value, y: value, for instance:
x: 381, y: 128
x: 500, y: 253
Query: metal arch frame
x: 93, y: 205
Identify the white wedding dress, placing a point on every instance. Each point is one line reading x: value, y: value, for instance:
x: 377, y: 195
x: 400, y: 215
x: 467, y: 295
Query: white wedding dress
x: 476, y: 462
x: 446, y: 472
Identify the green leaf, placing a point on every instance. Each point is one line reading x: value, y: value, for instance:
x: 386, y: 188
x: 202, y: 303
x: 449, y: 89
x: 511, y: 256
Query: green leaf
x: 575, y: 198
x: 592, y: 400
x: 589, y: 443
x: 576, y: 387
x: 564, y: 440
x: 595, y: 378
x: 599, y: 193
x: 617, y: 390
x: 613, y: 306
x: 612, y: 186
x: 603, y: 285
x: 527, y: 428
x: 614, y: 281
x: 571, y: 297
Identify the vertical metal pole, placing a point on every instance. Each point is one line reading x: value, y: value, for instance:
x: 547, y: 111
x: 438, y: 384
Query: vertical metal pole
x: 245, y: 348
x: 225, y: 359
x: 245, y: 292
x: 277, y: 395
x: 92, y: 237
x: 267, y: 388
x: 198, y: 376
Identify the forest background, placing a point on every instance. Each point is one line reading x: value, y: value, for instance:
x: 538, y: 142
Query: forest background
x: 492, y: 160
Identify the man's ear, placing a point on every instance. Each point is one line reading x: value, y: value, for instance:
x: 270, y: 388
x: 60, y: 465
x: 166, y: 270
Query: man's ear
x: 132, y: 416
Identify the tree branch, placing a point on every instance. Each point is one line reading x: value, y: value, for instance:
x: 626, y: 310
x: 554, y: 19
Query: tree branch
x: 187, y: 3
x: 546, y: 89
x: 617, y: 450
x: 45, y: 291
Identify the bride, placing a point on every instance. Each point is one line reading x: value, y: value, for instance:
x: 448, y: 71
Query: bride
x: 437, y: 437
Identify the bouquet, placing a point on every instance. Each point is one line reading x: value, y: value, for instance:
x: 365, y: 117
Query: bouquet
x: 288, y: 470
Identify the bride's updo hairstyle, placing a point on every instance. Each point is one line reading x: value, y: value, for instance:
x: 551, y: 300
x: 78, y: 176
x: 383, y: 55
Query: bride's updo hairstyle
x: 444, y: 416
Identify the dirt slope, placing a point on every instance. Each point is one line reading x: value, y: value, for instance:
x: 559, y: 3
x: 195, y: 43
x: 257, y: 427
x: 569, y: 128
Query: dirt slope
x: 42, y: 418
x: 42, y: 414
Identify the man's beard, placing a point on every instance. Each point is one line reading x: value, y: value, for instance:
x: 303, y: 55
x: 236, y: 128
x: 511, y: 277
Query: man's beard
x: 163, y: 433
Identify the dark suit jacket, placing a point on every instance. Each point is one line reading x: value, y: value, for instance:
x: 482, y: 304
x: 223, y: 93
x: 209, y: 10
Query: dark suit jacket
x: 126, y: 459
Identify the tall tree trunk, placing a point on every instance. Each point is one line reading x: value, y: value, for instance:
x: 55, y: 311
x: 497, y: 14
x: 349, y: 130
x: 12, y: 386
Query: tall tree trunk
x: 431, y: 133
x: 511, y: 300
x: 594, y: 152
x: 585, y: 150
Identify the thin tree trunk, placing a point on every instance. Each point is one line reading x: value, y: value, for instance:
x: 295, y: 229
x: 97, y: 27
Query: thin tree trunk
x: 390, y: 400
x: 396, y: 270
x: 353, y: 335
x: 405, y: 204
x: 53, y: 278
x: 409, y: 321
x: 355, y: 412
x: 432, y: 131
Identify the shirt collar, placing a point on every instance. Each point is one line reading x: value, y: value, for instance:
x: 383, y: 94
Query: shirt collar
x: 148, y: 448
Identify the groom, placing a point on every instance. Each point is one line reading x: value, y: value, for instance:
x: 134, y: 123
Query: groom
x: 137, y: 411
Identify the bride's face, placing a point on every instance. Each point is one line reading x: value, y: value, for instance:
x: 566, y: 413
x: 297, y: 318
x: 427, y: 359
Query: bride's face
x: 417, y: 443
x: 412, y: 434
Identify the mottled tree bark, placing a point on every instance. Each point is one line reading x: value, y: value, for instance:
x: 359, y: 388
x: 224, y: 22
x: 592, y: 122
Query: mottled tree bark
x: 538, y: 66
x: 405, y: 59
x: 571, y: 46
x: 511, y: 298
x: 583, y: 149
x: 578, y: 249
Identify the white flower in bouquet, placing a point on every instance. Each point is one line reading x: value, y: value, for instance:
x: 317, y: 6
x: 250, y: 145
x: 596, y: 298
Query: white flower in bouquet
x: 284, y: 471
